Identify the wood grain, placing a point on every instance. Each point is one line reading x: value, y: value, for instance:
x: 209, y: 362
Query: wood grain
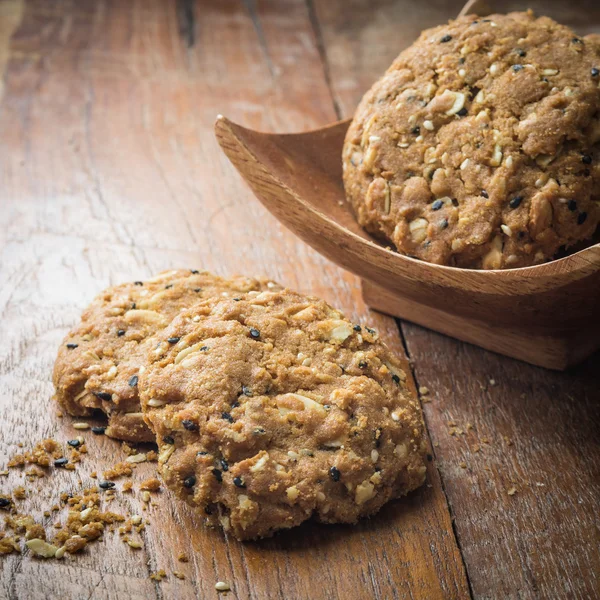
x: 110, y: 173
x: 541, y: 427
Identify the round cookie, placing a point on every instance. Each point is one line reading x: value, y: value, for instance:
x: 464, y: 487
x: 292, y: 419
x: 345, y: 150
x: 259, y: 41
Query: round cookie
x: 275, y: 408
x: 98, y: 363
x: 479, y: 147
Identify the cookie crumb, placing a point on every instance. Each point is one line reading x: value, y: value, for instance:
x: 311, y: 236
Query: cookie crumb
x: 221, y: 586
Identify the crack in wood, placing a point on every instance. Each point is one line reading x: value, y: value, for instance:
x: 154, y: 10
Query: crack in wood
x: 186, y: 14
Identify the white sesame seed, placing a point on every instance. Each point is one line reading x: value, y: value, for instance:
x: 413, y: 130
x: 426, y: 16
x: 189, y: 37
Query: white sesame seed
x: 506, y: 229
x: 493, y: 69
x: 133, y: 544
x: 509, y: 162
x: 221, y: 586
x: 155, y: 403
x: 374, y: 138
x: 419, y: 138
x: 374, y: 456
x: 550, y: 72
x: 465, y: 163
x: 568, y: 92
x: 81, y: 425
x: 428, y: 125
x: 462, y: 72
x: 136, y: 519
x: 403, y: 145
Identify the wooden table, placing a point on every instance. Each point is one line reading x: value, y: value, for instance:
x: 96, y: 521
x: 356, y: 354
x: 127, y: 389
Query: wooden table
x: 110, y: 172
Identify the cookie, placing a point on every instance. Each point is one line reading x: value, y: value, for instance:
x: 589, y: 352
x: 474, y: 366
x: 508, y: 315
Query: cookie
x: 479, y: 147
x: 98, y: 363
x: 275, y: 408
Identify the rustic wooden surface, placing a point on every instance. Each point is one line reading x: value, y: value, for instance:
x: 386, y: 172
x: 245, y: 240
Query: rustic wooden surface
x: 110, y: 172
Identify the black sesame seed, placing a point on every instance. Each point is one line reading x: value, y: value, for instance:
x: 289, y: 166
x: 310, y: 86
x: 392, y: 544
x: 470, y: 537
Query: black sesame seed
x: 227, y: 417
x: 462, y: 112
x: 169, y: 286
x: 121, y: 332
x: 254, y: 333
x: 246, y: 391
x: 103, y: 396
x: 72, y: 346
x: 208, y: 510
x: 416, y: 130
x: 429, y: 457
x: 357, y: 328
x: 138, y: 283
x: 218, y: 475
x: 239, y: 482
x: 474, y: 90
x: 98, y: 430
x: 577, y: 41
x: 74, y: 443
x: 581, y: 218
x: 259, y: 430
x: 189, y: 482
x: 236, y: 299
x: 204, y: 348
x: 61, y: 462
x: 443, y: 223
x: 572, y: 205
x: 395, y: 378
x: 371, y: 331
x: 133, y: 306
x: 106, y: 485
x: 362, y: 364
x: 520, y: 52
x: 334, y: 473
x: 133, y: 381
x: 445, y: 39
x: 485, y: 194
x: 173, y: 340
x: 437, y: 205
x: 189, y: 425
x: 194, y: 271
x: 167, y: 439
x: 586, y: 159
x: 454, y: 202
x: 4, y: 502
x: 516, y: 202
x: 224, y: 464
x: 517, y: 68
x: 461, y: 60
x: 197, y: 289
x: 235, y: 404
x: 595, y: 72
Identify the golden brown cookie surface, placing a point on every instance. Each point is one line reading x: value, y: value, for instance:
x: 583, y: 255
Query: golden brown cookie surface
x: 98, y: 363
x: 276, y: 408
x: 479, y: 147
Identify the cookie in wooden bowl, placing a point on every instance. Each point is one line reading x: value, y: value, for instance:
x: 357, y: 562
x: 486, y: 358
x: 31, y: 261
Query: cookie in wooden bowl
x: 98, y: 363
x: 479, y: 147
x: 273, y: 408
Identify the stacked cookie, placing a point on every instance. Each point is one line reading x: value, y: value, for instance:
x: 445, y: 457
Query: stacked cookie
x: 479, y: 146
x: 268, y: 407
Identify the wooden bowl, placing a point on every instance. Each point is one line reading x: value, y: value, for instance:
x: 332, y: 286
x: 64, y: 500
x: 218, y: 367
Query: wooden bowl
x: 547, y: 315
